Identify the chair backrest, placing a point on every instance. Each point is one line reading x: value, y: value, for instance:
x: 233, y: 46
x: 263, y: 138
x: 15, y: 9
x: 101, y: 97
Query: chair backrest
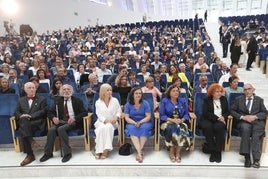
x: 50, y: 99
x: 226, y: 84
x: 45, y: 86
x: 8, y: 104
x: 16, y: 87
x: 83, y: 97
x: 149, y: 98
x: 105, y: 78
x: 198, y: 107
x: 232, y: 97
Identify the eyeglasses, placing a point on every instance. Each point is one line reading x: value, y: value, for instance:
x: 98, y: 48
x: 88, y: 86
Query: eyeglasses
x: 246, y: 89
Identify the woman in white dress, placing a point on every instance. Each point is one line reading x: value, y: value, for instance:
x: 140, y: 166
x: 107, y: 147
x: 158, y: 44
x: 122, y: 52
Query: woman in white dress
x: 108, y: 111
x: 243, y: 57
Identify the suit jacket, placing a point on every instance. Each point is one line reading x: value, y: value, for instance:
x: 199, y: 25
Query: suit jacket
x: 252, y: 45
x: 78, y: 108
x: 239, y: 108
x: 38, y: 110
x: 208, y: 109
x: 115, y: 68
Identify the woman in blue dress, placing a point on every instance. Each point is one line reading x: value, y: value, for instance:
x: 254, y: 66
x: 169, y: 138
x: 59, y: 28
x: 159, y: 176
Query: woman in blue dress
x: 174, y: 117
x: 138, y: 118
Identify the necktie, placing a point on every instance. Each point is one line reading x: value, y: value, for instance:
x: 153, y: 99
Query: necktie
x: 249, y: 103
x: 65, y: 111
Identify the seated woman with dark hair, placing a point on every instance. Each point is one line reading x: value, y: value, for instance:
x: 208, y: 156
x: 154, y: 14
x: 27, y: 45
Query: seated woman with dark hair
x: 122, y: 87
x: 174, y: 117
x: 233, y: 87
x: 213, y: 121
x: 138, y: 116
x: 177, y: 81
x: 55, y: 87
x: 41, y: 75
x: 5, y: 86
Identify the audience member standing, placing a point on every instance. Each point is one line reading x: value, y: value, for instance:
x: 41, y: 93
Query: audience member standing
x: 252, y: 50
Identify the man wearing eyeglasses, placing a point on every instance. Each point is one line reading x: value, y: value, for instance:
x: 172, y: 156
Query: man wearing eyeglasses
x: 249, y: 114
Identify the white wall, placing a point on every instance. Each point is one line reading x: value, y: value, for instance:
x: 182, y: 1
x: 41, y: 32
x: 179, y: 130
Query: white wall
x: 50, y: 15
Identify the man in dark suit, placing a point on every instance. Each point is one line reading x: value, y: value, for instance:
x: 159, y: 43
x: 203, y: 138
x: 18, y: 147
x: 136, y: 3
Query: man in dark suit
x: 249, y: 113
x: 225, y: 40
x: 67, y: 114
x: 31, y: 115
x: 252, y: 48
x: 13, y: 78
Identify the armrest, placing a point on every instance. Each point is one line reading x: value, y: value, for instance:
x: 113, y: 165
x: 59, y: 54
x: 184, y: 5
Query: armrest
x: 156, y: 131
x: 229, y: 125
x: 192, y: 128
x: 122, y: 129
x: 49, y: 123
x: 87, y: 125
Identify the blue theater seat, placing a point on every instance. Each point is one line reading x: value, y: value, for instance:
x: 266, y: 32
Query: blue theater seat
x: 8, y: 103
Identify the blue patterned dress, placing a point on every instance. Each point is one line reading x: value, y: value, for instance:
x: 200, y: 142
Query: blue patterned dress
x: 175, y: 135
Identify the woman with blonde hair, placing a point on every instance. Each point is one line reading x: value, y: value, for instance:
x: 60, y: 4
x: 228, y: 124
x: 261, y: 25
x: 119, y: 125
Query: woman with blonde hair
x: 150, y: 88
x: 108, y: 113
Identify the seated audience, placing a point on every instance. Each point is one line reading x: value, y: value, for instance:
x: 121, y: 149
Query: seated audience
x: 5, y: 86
x: 150, y: 88
x: 55, y: 87
x: 233, y: 88
x: 123, y: 88
x: 90, y: 89
x: 174, y: 117
x: 30, y: 121
x: 67, y: 114
x: 213, y: 121
x: 138, y: 116
x: 250, y: 115
x: 108, y: 112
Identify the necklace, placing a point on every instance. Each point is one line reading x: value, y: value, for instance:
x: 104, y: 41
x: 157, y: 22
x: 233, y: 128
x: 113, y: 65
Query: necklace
x: 217, y: 103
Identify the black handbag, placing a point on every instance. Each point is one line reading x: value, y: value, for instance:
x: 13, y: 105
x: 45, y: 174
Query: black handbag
x: 125, y: 149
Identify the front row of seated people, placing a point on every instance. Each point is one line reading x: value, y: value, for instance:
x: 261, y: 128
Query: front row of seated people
x: 250, y: 119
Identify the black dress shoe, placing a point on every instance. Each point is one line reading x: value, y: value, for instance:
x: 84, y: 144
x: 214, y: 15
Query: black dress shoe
x: 256, y: 164
x: 248, y: 69
x: 45, y: 157
x: 66, y: 158
x: 247, y: 163
x: 212, y: 157
x: 218, y: 157
x: 28, y: 159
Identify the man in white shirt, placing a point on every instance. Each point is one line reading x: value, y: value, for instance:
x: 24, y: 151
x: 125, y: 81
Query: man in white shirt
x: 102, y: 71
x: 232, y: 72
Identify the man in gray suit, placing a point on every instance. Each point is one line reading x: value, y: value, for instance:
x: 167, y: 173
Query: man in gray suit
x: 31, y: 113
x: 250, y: 115
x: 67, y: 114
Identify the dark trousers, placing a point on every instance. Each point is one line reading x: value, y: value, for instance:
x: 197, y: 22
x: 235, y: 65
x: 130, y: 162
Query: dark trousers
x: 251, y: 59
x: 251, y: 137
x: 225, y: 49
x: 214, y: 133
x: 62, y: 131
x: 26, y: 130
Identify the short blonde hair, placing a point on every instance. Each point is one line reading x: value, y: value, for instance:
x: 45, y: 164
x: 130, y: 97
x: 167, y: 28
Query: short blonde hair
x: 104, y: 87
